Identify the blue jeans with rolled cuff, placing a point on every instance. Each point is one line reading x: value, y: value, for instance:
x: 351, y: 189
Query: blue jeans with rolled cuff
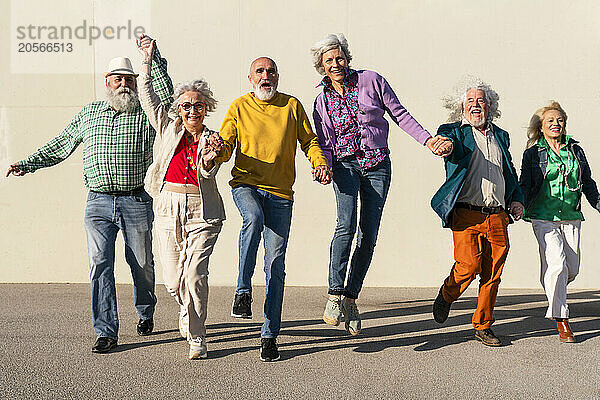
x: 105, y: 215
x: 350, y: 184
x: 268, y: 215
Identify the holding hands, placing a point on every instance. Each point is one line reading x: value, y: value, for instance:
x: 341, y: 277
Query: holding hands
x: 322, y: 174
x: 146, y: 45
x: 516, y: 209
x: 212, y: 147
x: 440, y: 145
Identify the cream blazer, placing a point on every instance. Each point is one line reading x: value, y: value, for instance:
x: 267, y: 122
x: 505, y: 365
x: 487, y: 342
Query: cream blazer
x: 168, y: 135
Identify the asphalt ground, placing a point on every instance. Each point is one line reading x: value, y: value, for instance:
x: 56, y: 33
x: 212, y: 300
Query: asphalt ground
x: 46, y: 337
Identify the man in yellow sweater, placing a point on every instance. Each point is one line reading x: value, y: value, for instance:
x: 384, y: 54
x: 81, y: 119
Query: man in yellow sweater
x: 265, y: 125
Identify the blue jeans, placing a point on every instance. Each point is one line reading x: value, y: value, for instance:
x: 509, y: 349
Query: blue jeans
x: 269, y: 215
x: 104, y: 215
x: 350, y: 183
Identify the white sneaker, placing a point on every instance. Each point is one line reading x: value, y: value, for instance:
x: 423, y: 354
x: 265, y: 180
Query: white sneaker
x: 198, y: 348
x: 183, y: 322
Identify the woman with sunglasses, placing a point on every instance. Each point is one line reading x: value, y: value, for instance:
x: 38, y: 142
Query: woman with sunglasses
x: 554, y: 174
x: 189, y: 209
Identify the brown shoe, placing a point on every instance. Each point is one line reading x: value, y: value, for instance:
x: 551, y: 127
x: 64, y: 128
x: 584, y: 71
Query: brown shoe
x: 487, y: 337
x: 564, y: 331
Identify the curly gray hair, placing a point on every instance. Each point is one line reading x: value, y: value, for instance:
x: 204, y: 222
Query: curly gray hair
x: 199, y: 86
x: 331, y: 41
x: 455, y: 101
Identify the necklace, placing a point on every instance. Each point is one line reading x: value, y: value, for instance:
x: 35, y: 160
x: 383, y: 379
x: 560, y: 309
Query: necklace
x: 190, y: 155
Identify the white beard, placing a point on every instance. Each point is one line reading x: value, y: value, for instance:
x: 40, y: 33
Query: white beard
x: 122, y: 99
x: 478, y: 123
x: 265, y: 95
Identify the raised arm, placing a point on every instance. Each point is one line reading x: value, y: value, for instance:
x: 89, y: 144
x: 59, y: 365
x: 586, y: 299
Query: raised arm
x: 55, y: 151
x: 155, y: 109
x: 161, y: 82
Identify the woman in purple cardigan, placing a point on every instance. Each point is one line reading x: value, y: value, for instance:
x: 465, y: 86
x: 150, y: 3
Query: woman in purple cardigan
x: 353, y: 134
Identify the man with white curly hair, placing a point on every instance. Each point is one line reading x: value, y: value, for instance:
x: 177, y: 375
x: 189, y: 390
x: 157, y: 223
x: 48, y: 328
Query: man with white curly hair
x: 481, y: 186
x: 117, y: 150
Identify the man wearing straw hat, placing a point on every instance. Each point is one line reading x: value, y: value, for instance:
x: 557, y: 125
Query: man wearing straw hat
x: 117, y: 150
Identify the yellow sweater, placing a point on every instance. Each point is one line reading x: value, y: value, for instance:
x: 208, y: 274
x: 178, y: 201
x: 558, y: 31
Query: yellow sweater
x: 264, y: 135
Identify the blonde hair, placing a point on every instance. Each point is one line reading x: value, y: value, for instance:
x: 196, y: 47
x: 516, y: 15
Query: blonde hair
x: 534, y: 130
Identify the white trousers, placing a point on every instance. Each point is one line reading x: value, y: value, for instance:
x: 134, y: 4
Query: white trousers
x: 185, y: 242
x: 559, y: 257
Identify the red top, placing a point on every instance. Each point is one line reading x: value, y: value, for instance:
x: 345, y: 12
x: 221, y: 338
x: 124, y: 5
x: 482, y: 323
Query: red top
x: 183, y: 168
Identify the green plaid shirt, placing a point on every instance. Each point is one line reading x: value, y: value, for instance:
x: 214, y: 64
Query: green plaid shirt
x: 117, y: 146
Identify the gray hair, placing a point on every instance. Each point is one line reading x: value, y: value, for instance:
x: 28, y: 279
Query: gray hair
x: 199, y: 86
x: 331, y: 41
x: 455, y: 101
x: 122, y: 99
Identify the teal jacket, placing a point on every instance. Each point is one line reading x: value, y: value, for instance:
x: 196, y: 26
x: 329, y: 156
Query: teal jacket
x: 457, y: 164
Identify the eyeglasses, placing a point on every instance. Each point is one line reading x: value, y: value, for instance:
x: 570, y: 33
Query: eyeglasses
x: 187, y: 106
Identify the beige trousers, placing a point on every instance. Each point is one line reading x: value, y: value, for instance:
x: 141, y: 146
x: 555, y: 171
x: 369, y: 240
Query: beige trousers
x: 185, y: 242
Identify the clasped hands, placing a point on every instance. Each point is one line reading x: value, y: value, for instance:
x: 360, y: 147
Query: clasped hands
x: 440, y: 145
x: 146, y: 46
x: 322, y: 174
x: 211, y: 149
x: 516, y: 209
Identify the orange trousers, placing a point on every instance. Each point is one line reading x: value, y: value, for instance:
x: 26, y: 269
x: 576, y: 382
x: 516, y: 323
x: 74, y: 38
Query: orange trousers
x: 480, y: 248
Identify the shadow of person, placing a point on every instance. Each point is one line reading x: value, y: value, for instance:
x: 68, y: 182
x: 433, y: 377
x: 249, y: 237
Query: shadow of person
x: 517, y: 317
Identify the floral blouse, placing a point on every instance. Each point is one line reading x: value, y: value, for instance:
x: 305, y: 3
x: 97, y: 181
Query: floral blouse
x: 343, y: 110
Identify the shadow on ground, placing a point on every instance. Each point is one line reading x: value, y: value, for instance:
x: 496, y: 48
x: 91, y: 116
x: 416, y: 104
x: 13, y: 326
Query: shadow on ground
x: 515, y: 320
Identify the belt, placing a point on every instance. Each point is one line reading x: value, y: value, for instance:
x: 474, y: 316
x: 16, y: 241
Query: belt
x: 132, y: 192
x: 481, y: 209
x: 181, y: 188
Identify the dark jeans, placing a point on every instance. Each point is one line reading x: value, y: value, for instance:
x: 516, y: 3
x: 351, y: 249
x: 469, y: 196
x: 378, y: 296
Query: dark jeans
x: 269, y: 215
x: 350, y: 183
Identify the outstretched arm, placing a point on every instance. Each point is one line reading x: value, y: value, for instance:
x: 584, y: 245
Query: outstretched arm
x: 438, y: 145
x: 55, y: 151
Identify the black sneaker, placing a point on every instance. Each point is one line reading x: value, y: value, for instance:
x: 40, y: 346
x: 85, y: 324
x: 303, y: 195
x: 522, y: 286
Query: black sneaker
x: 242, y: 306
x: 145, y: 326
x: 104, y: 345
x: 268, y: 349
x: 441, y: 308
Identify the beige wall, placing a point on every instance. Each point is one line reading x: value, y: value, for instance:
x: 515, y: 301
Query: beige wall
x: 529, y: 51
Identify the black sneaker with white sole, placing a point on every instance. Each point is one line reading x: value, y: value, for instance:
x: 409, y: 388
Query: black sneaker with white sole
x: 268, y: 350
x: 242, y: 306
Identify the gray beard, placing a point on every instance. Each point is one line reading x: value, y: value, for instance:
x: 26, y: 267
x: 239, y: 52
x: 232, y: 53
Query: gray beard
x: 122, y: 99
x: 264, y: 95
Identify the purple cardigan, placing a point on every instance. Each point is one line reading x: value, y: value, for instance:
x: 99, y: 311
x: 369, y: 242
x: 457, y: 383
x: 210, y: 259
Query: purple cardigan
x: 375, y: 97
